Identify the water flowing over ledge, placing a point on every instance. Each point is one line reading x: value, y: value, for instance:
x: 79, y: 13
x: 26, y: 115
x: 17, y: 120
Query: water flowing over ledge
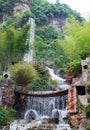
x: 42, y: 106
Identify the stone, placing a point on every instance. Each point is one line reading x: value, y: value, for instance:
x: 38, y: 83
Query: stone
x: 52, y: 120
x: 21, y: 7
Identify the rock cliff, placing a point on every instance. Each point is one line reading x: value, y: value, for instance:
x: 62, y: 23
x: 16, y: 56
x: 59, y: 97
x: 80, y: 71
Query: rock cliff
x: 58, y: 22
x: 21, y: 7
x: 11, y: 8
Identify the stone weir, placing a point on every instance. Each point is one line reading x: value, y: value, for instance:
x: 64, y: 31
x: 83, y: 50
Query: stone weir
x: 41, y: 93
x: 8, y: 93
x: 43, y: 99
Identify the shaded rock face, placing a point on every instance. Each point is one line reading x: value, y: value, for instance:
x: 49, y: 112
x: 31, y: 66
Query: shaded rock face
x: 21, y: 7
x: 58, y: 22
x: 7, y: 90
x: 8, y: 97
x: 78, y: 119
x: 3, y: 17
x: 19, y: 104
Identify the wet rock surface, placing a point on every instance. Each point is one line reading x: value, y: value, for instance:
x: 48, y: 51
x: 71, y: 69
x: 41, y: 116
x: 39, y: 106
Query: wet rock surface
x: 41, y: 124
x: 79, y: 120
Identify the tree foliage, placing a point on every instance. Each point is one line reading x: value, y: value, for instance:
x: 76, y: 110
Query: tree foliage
x: 76, y: 44
x: 13, y: 45
x: 44, y: 11
x: 49, y: 52
x: 48, y: 33
x: 88, y: 110
x: 7, y: 6
x: 13, y: 40
x: 44, y: 82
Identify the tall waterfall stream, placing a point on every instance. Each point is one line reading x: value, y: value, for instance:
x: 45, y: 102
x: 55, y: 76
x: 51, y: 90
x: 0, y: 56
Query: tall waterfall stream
x: 29, y: 56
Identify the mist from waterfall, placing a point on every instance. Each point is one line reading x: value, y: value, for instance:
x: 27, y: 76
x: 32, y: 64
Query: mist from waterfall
x: 29, y: 57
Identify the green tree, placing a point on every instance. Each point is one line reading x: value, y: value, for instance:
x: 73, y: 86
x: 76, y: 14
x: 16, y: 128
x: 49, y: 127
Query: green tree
x: 76, y: 43
x: 13, y: 46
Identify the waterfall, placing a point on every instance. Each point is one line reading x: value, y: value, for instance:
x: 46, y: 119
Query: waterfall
x: 39, y: 108
x: 29, y: 56
x: 31, y: 114
x: 61, y: 82
x: 43, y: 106
x: 47, y: 106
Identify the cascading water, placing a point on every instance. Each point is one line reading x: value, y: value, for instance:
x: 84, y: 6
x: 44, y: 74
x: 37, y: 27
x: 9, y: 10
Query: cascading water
x: 39, y: 108
x: 29, y: 56
x: 61, y: 82
x: 43, y: 107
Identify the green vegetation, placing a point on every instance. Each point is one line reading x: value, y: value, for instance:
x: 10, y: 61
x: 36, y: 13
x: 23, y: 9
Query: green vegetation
x: 17, y: 20
x: 88, y: 89
x: 81, y: 106
x: 23, y: 74
x: 13, y: 46
x: 44, y: 11
x: 88, y: 127
x: 32, y: 77
x: 44, y: 82
x: 75, y: 66
x: 88, y: 110
x: 48, y: 33
x: 7, y: 6
x: 57, y: 46
x: 6, y: 115
x: 76, y: 43
x: 47, y: 47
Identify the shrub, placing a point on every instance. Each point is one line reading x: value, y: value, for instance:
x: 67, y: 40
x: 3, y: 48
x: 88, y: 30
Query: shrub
x: 75, y: 66
x: 43, y: 82
x: 88, y: 89
x: 23, y: 73
x: 88, y: 110
x: 88, y: 127
x: 54, y: 84
x: 6, y: 115
x: 81, y: 106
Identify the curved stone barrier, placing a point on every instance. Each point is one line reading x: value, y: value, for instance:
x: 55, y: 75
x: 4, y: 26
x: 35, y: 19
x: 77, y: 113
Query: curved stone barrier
x: 43, y: 94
